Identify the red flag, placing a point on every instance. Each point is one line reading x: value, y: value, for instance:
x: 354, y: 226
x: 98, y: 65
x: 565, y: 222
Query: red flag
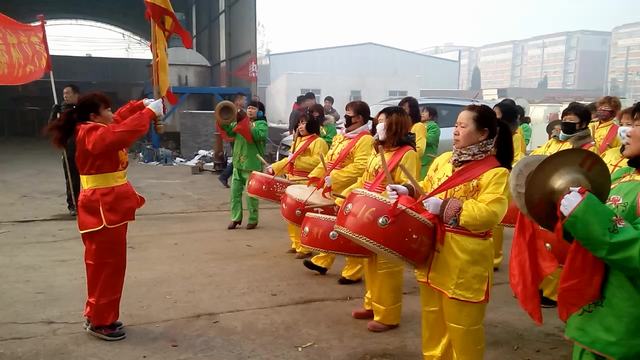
x: 248, y: 71
x: 165, y: 23
x: 529, y: 264
x: 24, y: 55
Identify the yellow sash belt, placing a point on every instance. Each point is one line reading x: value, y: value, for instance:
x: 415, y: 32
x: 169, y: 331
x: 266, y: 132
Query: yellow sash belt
x: 98, y: 181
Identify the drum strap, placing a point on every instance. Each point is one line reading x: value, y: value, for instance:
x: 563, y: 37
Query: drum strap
x: 299, y: 151
x: 611, y: 134
x: 342, y: 156
x: 391, y: 164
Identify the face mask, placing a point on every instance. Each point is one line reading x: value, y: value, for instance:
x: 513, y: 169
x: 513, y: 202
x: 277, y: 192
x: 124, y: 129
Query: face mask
x: 623, y: 133
x: 348, y: 121
x: 380, y: 131
x: 569, y: 128
x: 604, y: 114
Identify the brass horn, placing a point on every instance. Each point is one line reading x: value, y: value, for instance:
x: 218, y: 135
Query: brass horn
x: 225, y: 112
x: 552, y: 178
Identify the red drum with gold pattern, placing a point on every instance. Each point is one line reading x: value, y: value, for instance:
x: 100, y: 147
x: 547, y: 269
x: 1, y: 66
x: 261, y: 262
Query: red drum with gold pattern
x: 266, y: 187
x: 301, y: 199
x: 371, y: 220
x: 318, y: 234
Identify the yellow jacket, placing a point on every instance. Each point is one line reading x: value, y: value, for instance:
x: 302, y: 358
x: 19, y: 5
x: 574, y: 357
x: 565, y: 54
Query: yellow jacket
x: 518, y: 147
x: 420, y: 130
x: 463, y: 266
x: 599, y: 132
x: 554, y: 145
x: 353, y: 165
x: 307, y: 161
x: 614, y: 159
x: 410, y: 160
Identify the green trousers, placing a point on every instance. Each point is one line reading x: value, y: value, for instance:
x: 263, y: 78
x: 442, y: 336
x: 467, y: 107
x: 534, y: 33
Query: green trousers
x: 238, y: 183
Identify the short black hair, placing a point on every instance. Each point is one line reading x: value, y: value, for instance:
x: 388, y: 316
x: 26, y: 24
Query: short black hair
x: 636, y: 110
x: 414, y: 108
x: 257, y: 104
x: 73, y: 87
x: 579, y: 110
x: 329, y: 99
x: 433, y: 112
x: 521, y: 111
x: 509, y: 113
x: 508, y: 101
x: 300, y: 99
x: 310, y: 96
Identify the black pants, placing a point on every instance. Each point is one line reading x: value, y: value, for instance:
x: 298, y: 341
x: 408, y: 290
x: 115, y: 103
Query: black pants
x: 73, y: 175
x: 227, y: 172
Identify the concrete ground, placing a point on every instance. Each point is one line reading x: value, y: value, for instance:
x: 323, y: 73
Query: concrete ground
x: 195, y: 290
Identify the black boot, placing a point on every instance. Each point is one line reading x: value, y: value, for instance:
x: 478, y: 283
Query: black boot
x: 311, y: 266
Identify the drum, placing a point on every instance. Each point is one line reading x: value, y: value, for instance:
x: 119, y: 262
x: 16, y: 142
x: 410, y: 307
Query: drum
x: 509, y: 219
x: 318, y: 234
x: 559, y: 248
x: 300, y: 199
x: 371, y: 220
x: 266, y: 187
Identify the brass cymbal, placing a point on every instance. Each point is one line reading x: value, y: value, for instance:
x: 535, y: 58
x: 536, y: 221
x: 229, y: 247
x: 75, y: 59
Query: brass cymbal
x: 518, y: 179
x: 553, y: 177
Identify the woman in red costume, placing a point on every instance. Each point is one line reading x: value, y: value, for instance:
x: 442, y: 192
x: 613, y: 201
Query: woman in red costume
x: 107, y: 200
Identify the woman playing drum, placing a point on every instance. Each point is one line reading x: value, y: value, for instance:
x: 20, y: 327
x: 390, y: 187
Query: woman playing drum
x: 383, y: 276
x: 454, y: 287
x: 304, y: 157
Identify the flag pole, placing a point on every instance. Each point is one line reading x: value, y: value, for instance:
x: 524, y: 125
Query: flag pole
x: 55, y: 101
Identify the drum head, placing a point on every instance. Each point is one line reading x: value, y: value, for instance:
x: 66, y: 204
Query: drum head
x: 310, y: 194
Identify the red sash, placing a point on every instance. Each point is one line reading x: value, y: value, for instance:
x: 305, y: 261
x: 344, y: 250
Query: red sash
x: 301, y: 149
x: 243, y: 127
x: 391, y: 164
x: 611, y: 134
x: 342, y: 156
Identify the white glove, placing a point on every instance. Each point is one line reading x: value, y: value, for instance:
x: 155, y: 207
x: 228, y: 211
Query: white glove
x: 570, y: 201
x: 432, y: 205
x: 269, y: 170
x: 156, y: 107
x: 623, y: 133
x: 147, y: 102
x: 327, y: 181
x: 395, y: 190
x: 290, y: 156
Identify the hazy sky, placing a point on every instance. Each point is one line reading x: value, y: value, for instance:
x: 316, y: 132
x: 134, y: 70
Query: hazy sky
x: 413, y: 25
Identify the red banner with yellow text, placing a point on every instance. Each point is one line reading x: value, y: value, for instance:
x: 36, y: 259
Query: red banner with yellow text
x: 24, y: 56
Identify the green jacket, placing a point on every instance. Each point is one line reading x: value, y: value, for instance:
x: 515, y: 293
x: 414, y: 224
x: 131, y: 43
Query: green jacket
x: 611, y: 326
x: 327, y: 132
x: 244, y: 153
x: 431, y: 151
x: 526, y: 131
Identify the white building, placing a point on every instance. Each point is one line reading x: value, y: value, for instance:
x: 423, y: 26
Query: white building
x: 624, y: 63
x: 368, y: 71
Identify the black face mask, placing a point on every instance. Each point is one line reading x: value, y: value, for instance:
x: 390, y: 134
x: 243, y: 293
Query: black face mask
x: 348, y: 121
x: 569, y: 128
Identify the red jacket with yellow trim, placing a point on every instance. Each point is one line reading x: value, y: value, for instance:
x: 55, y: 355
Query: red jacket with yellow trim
x: 102, y: 149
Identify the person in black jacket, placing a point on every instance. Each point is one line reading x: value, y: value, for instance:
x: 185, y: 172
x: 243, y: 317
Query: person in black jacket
x: 70, y: 95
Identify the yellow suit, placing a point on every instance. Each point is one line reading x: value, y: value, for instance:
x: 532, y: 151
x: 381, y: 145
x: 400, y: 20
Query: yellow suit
x: 600, y: 130
x: 420, y: 130
x: 549, y: 285
x: 383, y: 276
x: 342, y: 177
x: 303, y: 164
x: 454, y: 290
x: 614, y: 159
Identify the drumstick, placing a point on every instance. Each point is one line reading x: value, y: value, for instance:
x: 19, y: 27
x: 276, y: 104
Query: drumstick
x: 314, y: 206
x: 262, y: 160
x: 324, y: 165
x: 412, y: 180
x: 338, y: 196
x: 383, y: 161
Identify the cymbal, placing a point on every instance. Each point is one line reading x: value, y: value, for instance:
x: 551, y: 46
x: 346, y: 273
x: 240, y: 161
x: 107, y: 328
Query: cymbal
x: 553, y: 177
x: 518, y: 179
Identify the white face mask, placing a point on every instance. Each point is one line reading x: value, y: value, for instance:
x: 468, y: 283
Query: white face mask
x: 380, y: 132
x: 623, y: 134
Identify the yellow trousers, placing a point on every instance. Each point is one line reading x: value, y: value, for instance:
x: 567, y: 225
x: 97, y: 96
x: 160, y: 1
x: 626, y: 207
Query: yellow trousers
x: 294, y: 235
x: 549, y: 285
x: 352, y: 270
x: 498, y: 238
x: 383, y: 282
x: 451, y: 329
